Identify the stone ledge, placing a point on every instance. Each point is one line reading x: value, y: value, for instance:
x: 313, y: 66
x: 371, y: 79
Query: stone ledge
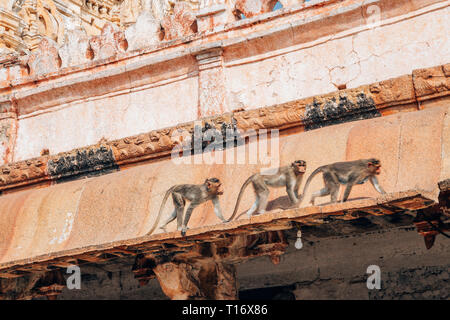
x: 173, y: 241
x: 369, y: 101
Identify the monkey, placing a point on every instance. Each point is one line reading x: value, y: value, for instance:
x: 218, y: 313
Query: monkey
x: 288, y: 176
x: 347, y: 173
x: 195, y: 194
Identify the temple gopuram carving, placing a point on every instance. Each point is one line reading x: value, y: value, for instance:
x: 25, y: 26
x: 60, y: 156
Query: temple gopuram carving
x: 129, y: 130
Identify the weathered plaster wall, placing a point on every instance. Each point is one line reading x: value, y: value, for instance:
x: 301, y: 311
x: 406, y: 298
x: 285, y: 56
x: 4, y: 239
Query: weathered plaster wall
x: 112, y: 117
x: 326, y: 268
x: 349, y: 58
x: 124, y: 205
x: 279, y: 59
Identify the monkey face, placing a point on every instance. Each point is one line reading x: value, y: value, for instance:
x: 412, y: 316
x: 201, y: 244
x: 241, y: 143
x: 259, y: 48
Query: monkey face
x: 214, y: 186
x: 299, y: 166
x: 219, y: 189
x: 375, y: 167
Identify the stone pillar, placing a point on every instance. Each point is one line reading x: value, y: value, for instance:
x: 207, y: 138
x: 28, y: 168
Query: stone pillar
x: 8, y: 130
x: 212, y: 90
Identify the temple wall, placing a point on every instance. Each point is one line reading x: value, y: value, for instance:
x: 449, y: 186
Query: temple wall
x: 284, y: 56
x: 93, y: 97
x: 124, y: 205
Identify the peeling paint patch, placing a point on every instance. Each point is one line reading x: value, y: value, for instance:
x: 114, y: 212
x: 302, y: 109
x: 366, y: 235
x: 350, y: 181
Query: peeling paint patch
x: 68, y: 224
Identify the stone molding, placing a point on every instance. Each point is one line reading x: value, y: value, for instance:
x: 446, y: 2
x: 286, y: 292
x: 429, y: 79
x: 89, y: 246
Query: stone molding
x: 173, y: 242
x: 374, y: 100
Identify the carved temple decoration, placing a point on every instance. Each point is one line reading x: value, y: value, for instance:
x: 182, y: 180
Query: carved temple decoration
x: 251, y: 8
x: 108, y: 43
x: 41, y: 18
x: 179, y: 24
x: 46, y: 59
x: 10, y: 35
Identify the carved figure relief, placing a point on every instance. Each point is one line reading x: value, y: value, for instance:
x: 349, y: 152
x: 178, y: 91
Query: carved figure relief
x: 41, y: 18
x: 46, y: 59
x: 108, y: 43
x: 179, y: 24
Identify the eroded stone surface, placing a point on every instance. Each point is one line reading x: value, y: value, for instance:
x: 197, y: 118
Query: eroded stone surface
x: 110, y: 42
x: 180, y: 24
x: 45, y: 59
x: 145, y: 32
x: 431, y: 82
x: 76, y: 43
x: 251, y: 8
x: 8, y: 130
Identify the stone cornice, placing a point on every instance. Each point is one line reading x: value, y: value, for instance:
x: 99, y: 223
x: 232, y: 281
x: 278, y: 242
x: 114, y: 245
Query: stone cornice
x: 273, y: 221
x: 403, y: 94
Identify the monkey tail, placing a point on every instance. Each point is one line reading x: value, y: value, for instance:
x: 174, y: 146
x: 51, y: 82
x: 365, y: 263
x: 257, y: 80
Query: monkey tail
x: 163, y: 203
x: 311, y: 176
x: 246, y: 183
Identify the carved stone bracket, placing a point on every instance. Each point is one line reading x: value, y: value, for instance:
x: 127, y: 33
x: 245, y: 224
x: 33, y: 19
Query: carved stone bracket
x: 435, y: 220
x: 110, y: 42
x: 206, y: 270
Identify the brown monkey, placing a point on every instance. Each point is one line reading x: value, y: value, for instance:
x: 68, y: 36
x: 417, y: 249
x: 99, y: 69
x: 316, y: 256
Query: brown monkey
x: 347, y: 173
x: 288, y: 176
x: 195, y: 194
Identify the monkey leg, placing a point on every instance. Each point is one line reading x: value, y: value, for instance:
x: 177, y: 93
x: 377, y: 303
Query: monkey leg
x: 332, y: 184
x: 172, y: 217
x: 262, y: 194
x: 263, y: 199
x: 323, y: 192
x: 179, y: 203
x: 253, y: 208
x: 187, y: 217
x: 292, y: 194
x: 180, y: 212
x: 347, y: 191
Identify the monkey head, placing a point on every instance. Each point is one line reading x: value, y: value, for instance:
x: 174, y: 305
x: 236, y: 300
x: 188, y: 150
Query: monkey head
x: 374, y: 166
x: 214, y: 186
x: 299, y: 166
